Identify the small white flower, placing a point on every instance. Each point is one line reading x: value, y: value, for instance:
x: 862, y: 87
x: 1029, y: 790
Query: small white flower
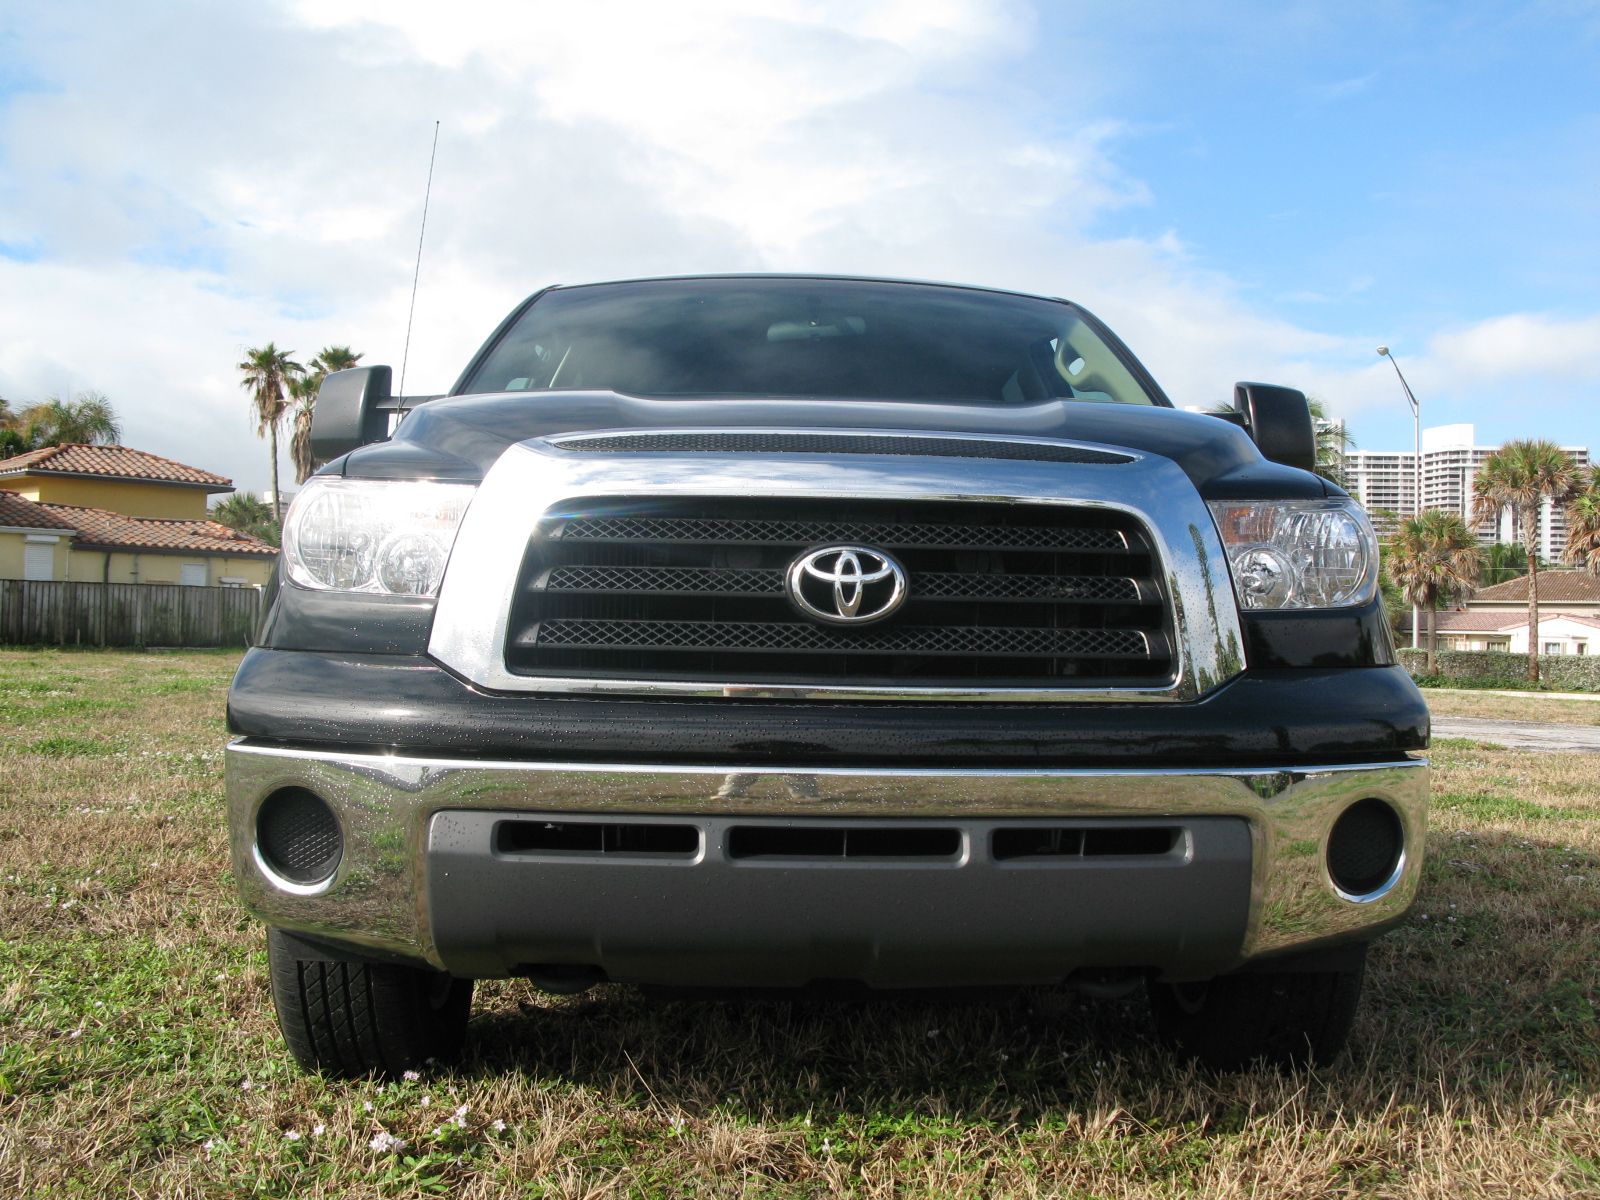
x: 366, y: 1106
x: 437, y: 1130
x: 318, y: 1130
x: 292, y: 1135
x: 411, y: 1076
x: 933, y: 1033
x: 210, y: 1145
x: 384, y: 1140
x: 246, y: 1086
x: 499, y: 1126
x: 427, y: 1100
x: 827, y: 1146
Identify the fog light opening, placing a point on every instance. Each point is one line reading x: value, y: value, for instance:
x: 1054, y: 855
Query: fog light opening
x: 1366, y: 851
x: 298, y: 840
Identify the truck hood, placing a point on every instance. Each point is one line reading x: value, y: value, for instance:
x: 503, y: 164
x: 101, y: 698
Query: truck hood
x: 460, y: 438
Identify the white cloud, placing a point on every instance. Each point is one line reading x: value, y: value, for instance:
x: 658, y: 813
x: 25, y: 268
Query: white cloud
x: 1520, y: 348
x: 213, y: 177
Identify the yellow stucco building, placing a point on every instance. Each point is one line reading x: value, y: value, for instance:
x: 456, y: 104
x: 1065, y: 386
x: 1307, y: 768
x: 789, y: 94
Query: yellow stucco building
x: 111, y: 514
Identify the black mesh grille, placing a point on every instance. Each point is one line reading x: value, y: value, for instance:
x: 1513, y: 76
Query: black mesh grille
x: 1364, y: 847
x: 695, y: 589
x: 831, y: 443
x: 731, y: 531
x: 298, y: 836
x: 744, y: 635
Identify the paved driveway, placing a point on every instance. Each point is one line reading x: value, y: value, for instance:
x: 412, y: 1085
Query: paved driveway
x: 1520, y: 735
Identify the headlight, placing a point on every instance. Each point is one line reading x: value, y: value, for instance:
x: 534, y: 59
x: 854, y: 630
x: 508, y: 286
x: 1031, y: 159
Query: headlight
x: 1298, y: 553
x: 367, y: 535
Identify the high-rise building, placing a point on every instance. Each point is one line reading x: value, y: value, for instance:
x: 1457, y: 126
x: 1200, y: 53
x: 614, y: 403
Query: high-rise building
x: 1385, y: 483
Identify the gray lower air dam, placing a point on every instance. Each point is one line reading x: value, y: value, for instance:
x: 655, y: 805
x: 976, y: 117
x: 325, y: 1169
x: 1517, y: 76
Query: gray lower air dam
x: 916, y: 903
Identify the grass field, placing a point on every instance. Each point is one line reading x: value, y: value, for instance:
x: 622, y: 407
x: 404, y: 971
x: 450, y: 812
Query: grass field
x: 139, y: 1056
x: 1531, y: 707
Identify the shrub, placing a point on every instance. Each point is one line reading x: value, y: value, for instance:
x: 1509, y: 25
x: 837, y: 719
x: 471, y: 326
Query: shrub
x: 1500, y: 668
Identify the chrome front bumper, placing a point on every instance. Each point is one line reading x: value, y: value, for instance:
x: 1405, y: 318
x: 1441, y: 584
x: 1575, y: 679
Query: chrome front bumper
x: 378, y: 897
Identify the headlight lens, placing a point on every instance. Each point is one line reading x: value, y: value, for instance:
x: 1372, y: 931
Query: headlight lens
x: 1298, y: 553
x: 367, y: 535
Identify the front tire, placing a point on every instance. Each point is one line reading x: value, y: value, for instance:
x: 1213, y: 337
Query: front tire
x: 349, y: 1017
x: 1287, y: 1019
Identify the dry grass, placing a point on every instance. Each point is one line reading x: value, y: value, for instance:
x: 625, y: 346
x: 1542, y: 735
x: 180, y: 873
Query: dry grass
x: 139, y: 1056
x: 1530, y: 707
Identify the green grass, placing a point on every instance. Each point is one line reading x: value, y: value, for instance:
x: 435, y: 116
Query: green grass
x: 139, y: 1055
x: 1489, y: 808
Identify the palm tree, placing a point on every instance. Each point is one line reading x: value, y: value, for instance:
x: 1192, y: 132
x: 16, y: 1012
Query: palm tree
x: 303, y: 390
x: 266, y: 372
x: 1503, y: 561
x: 335, y: 358
x: 1333, y: 442
x: 1433, y: 556
x: 247, y: 513
x: 11, y: 440
x: 1523, y: 475
x: 87, y: 418
x: 1583, y: 525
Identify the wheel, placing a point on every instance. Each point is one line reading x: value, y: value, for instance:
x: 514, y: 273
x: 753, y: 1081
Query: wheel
x: 349, y: 1017
x: 1286, y: 1019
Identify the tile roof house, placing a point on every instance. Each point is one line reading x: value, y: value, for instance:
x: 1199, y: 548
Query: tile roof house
x: 1496, y: 618
x: 22, y: 515
x: 112, y: 514
x: 1573, y: 591
x: 118, y: 478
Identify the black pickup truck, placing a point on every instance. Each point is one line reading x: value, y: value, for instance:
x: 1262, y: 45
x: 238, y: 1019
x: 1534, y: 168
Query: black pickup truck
x: 783, y: 631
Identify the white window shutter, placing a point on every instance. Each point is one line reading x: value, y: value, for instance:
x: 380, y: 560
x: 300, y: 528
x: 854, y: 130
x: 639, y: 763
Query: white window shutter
x: 39, y: 560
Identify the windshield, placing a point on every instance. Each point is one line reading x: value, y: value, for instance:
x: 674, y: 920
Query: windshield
x: 814, y: 338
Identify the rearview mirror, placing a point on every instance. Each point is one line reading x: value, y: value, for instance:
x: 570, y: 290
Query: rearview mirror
x: 1279, y: 422
x: 352, y: 409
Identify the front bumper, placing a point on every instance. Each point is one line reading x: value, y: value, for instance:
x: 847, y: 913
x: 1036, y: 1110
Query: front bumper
x: 425, y: 875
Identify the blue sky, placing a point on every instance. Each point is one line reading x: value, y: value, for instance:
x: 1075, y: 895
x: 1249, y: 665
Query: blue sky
x: 1386, y: 166
x: 1264, y: 191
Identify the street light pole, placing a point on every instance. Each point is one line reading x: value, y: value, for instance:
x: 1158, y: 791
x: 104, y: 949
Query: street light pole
x: 1416, y: 499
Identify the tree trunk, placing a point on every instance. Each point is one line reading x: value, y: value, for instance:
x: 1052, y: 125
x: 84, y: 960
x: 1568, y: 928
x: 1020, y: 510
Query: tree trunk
x: 277, y: 496
x: 1530, y: 535
x: 1433, y: 636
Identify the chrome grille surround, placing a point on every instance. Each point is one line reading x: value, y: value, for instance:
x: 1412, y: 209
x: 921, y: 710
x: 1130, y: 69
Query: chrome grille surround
x: 531, y: 479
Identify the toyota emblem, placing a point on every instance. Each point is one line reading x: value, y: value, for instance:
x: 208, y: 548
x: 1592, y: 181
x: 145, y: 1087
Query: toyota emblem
x: 846, y: 585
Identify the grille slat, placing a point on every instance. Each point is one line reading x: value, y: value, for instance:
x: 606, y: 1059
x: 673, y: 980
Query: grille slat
x: 931, y: 585
x: 751, y: 636
x: 695, y: 589
x: 730, y: 532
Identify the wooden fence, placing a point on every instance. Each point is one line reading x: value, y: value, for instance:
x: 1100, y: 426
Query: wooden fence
x: 59, y: 613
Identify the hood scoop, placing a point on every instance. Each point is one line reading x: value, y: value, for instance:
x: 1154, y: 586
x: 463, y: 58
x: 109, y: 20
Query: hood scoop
x: 762, y: 441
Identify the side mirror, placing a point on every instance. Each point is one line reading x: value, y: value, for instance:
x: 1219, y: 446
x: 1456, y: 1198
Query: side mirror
x: 352, y: 409
x: 1279, y: 421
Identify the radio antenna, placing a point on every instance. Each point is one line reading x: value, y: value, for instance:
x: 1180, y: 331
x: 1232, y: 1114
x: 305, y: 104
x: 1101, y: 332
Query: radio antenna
x: 417, y: 275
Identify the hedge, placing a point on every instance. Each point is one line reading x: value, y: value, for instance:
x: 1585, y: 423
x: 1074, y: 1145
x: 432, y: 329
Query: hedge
x: 1500, y: 668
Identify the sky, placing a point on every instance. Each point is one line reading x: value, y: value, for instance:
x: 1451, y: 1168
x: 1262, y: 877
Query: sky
x: 1253, y: 191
